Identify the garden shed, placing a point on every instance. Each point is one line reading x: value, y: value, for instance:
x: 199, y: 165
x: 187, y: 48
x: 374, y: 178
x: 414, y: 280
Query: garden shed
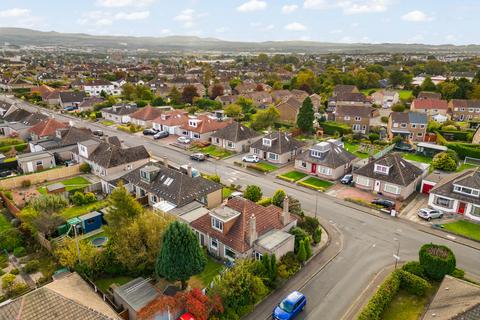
x: 91, y: 221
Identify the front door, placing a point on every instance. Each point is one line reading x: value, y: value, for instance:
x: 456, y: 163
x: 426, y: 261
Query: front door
x: 377, y: 186
x: 461, y: 207
x: 314, y: 168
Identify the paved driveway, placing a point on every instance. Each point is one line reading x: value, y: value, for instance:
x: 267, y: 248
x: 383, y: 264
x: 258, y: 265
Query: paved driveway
x: 342, y: 191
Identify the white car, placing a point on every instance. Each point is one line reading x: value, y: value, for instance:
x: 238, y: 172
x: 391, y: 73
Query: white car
x: 251, y: 158
x: 184, y: 140
x: 429, y: 214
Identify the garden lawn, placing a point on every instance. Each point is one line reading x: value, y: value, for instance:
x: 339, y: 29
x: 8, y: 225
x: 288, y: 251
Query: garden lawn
x: 406, y: 306
x: 292, y: 176
x: 4, y: 223
x: 464, y: 228
x: 104, y: 283
x: 76, y: 211
x: 404, y: 94
x: 203, y: 280
x: 107, y: 123
x: 268, y: 167
x: 354, y: 149
x: 316, y: 183
x: 70, y: 184
x: 213, y: 151
x: 416, y: 157
x: 465, y: 166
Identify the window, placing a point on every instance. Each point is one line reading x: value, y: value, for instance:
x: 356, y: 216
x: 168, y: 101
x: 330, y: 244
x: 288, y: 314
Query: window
x: 228, y: 253
x: 153, y: 198
x: 256, y: 151
x: 395, y: 125
x: 422, y: 126
x: 475, y: 211
x: 444, y: 202
x: 419, y: 134
x: 390, y: 188
x: 217, y: 224
x: 324, y: 170
x: 196, y: 136
x: 258, y: 256
x: 467, y: 191
x: 272, y: 156
x: 358, y: 118
x: 90, y: 221
x: 414, y: 125
x: 403, y: 125
x: 363, y: 181
x: 39, y: 163
x: 347, y: 118
x: 214, y: 243
x: 315, y: 153
x: 304, y: 164
x: 267, y: 142
x: 230, y: 144
x: 381, y: 169
x: 144, y: 175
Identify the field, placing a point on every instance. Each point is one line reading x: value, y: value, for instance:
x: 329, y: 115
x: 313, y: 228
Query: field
x: 416, y: 157
x: 203, y: 279
x: 404, y: 94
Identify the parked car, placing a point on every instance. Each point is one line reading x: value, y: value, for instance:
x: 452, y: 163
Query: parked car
x: 347, y: 179
x: 235, y: 194
x: 5, y: 173
x: 387, y: 204
x: 97, y: 133
x: 198, y: 156
x: 186, y: 316
x: 184, y: 140
x: 251, y: 158
x: 429, y: 214
x: 290, y: 307
x: 161, y: 134
x: 149, y: 132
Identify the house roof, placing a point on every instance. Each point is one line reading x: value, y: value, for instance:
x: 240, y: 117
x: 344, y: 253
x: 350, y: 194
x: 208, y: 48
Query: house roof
x: 73, y: 135
x: 72, y: 96
x: 147, y: 113
x: 401, y: 171
x: 17, y: 115
x: 464, y: 103
x: 121, y: 109
x: 467, y: 178
x: 343, y: 88
x: 172, y: 118
x: 351, y: 96
x: 172, y: 185
x: 137, y: 293
x: 429, y: 95
x: 354, y: 110
x: 47, y: 127
x: 267, y: 219
x: 281, y: 143
x: 332, y: 156
x: 430, y: 104
x: 235, y: 132
x: 110, y: 155
x: 90, y: 102
x: 206, y: 124
x: 409, y: 117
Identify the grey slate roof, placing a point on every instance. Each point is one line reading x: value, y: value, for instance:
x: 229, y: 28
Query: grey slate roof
x: 137, y: 293
x: 110, y: 155
x: 45, y: 304
x: 17, y: 115
x: 334, y: 157
x: 72, y: 96
x: 401, y: 172
x: 410, y: 117
x: 121, y: 110
x: 281, y: 143
x: 181, y: 191
x: 468, y: 178
x: 471, y: 314
x: 235, y: 132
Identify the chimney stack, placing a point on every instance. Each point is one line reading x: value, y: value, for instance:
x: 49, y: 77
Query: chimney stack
x: 165, y: 161
x: 286, y: 211
x: 189, y: 170
x: 252, y: 230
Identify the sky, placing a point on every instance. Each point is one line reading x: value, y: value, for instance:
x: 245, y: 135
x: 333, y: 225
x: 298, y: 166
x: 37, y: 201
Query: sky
x: 346, y: 21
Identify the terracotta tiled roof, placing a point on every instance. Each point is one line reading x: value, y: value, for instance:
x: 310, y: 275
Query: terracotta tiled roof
x: 172, y: 118
x: 430, y: 104
x: 207, y: 124
x: 147, y: 113
x: 47, y: 127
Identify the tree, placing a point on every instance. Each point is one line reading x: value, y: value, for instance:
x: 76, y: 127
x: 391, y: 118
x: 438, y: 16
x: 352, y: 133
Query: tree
x: 233, y: 111
x: 128, y: 91
x: 445, y: 161
x: 189, y: 92
x: 398, y: 107
x: 317, y: 236
x: 174, y: 95
x: 253, y: 193
x: 49, y: 203
x: 181, y: 255
x: 448, y: 90
x: 437, y: 260
x: 246, y: 104
x: 476, y: 92
x: 68, y: 254
x: 300, y: 235
x: 85, y: 168
x: 428, y: 85
x: 265, y: 118
x: 308, y: 248
x: 158, y: 101
x: 217, y: 90
x: 396, y: 78
x: 302, y: 252
x: 278, y: 198
x: 234, y: 83
x: 373, y: 137
x: 122, y: 208
x: 306, y: 116
x: 309, y: 224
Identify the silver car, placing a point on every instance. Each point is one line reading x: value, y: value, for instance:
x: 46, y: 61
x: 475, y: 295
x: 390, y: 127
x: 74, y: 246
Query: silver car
x: 429, y: 214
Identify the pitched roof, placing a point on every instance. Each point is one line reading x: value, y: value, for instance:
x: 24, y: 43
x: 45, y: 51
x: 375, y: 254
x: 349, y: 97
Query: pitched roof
x: 354, y: 110
x: 281, y: 143
x: 73, y: 135
x: 401, y: 171
x: 121, y: 109
x: 332, y: 156
x: 17, y: 115
x: 206, y: 124
x: 47, y: 127
x: 182, y: 188
x: 235, y: 132
x: 267, y: 219
x: 147, y: 113
x: 430, y: 104
x: 72, y: 96
x: 409, y: 117
x: 464, y: 103
x: 110, y: 155
x: 344, y: 88
x: 467, y: 178
x: 172, y: 118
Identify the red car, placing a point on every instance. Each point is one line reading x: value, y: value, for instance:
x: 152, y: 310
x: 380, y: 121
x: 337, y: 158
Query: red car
x: 186, y: 316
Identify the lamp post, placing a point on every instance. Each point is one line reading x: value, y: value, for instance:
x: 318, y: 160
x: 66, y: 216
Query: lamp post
x: 396, y: 255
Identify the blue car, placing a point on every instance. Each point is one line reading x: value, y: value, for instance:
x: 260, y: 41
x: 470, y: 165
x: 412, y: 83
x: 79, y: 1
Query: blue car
x: 290, y: 307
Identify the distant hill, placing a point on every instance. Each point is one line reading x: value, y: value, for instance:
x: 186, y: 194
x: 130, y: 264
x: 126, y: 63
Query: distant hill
x: 18, y: 36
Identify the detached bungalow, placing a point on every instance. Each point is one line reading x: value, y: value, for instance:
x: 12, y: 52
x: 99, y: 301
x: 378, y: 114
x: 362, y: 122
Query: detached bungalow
x: 235, y: 137
x: 144, y: 116
x: 276, y: 147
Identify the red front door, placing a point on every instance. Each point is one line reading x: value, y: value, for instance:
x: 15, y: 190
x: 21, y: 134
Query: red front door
x: 461, y: 207
x: 314, y: 168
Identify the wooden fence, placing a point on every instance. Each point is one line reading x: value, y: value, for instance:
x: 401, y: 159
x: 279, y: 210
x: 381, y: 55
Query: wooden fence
x: 39, y: 177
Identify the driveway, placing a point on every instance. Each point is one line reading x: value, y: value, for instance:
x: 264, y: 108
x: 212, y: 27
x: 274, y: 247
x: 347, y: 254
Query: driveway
x: 342, y: 191
x: 421, y: 201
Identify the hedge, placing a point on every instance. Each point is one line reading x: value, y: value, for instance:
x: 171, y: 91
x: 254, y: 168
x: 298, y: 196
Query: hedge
x: 19, y: 147
x: 413, y: 283
x: 436, y: 265
x: 265, y: 202
x: 330, y: 127
x: 414, y: 267
x: 257, y: 168
x: 465, y: 149
x: 10, y: 142
x: 456, y: 135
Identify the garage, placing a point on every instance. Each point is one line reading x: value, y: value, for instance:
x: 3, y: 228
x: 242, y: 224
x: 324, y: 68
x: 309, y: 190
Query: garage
x: 431, y: 180
x: 427, y: 186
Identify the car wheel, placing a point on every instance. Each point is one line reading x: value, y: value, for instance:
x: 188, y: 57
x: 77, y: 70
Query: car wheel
x: 429, y: 219
x: 440, y: 216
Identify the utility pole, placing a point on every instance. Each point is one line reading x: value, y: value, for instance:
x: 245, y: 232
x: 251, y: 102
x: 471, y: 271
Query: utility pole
x: 396, y: 256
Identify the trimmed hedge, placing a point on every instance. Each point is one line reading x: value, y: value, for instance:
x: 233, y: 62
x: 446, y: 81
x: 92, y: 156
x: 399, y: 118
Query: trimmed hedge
x: 330, y: 127
x: 413, y: 284
x: 465, y: 149
x: 414, y: 267
x: 382, y: 298
x: 19, y: 147
x: 456, y: 135
x: 437, y: 260
x: 265, y: 202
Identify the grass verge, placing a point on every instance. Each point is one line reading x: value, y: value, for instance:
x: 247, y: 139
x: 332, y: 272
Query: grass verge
x: 76, y: 211
x: 203, y: 280
x: 464, y: 228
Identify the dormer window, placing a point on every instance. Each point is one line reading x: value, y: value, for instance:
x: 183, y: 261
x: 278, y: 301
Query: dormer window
x: 267, y: 142
x: 145, y: 176
x: 466, y: 191
x: 315, y: 153
x: 193, y: 123
x: 381, y: 169
x: 217, y: 224
x: 358, y: 118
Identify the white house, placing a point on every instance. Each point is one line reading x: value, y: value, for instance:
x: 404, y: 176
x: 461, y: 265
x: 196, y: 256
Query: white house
x: 95, y: 87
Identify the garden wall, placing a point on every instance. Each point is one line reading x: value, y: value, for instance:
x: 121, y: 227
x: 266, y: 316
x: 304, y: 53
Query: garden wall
x: 34, y: 178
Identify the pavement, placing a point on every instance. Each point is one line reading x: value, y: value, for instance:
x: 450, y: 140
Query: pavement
x: 369, y: 238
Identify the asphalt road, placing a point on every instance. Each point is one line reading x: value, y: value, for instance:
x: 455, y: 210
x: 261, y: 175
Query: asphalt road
x: 369, y: 241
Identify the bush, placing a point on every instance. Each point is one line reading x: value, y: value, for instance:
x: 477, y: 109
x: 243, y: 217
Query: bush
x: 382, y: 298
x: 26, y: 183
x: 32, y: 266
x: 265, y: 202
x: 257, y: 168
x: 11, y: 239
x: 288, y: 265
x: 85, y: 168
x: 300, y: 235
x: 415, y: 268
x: 464, y: 149
x: 413, y: 283
x: 278, y: 198
x: 253, y: 193
x: 78, y: 198
x: 458, y: 273
x: 399, y: 107
x: 317, y: 236
x: 384, y: 119
x: 19, y: 252
x: 7, y: 281
x: 15, y: 271
x: 309, y: 224
x: 437, y: 260
x: 332, y: 128
x: 444, y: 161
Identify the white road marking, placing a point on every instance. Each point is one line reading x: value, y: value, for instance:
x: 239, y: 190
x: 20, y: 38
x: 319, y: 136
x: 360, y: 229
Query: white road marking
x: 451, y: 237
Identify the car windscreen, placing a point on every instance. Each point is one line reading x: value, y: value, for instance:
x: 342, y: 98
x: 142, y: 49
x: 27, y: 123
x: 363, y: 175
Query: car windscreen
x: 286, y: 306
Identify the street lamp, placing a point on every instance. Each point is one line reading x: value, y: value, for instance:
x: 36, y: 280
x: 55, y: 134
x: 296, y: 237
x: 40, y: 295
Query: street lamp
x: 396, y: 255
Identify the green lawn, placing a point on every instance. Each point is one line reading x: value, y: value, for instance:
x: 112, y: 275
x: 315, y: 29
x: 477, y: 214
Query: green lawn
x: 76, y: 211
x: 226, y: 192
x: 416, y: 157
x: 464, y: 228
x: 465, y: 166
x: 104, y: 283
x: 354, y: 148
x: 70, y: 184
x: 406, y: 306
x: 4, y: 223
x: 211, y: 270
x: 316, y: 183
x: 404, y: 94
x: 292, y: 176
x: 268, y: 167
x: 213, y: 151
x: 107, y: 122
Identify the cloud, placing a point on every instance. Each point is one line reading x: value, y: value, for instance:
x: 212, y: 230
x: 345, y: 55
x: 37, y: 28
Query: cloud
x: 416, y: 16
x: 140, y: 15
x: 349, y: 6
x: 252, y: 5
x: 295, y: 26
x: 289, y: 8
x: 188, y: 17
x: 123, y: 3
x: 14, y: 13
x: 221, y: 29
x: 105, y: 18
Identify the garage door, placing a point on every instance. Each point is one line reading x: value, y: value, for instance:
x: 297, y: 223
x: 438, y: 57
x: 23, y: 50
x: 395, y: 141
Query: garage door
x: 427, y: 187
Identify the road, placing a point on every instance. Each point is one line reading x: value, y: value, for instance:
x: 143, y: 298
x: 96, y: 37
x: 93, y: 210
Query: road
x: 369, y: 241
